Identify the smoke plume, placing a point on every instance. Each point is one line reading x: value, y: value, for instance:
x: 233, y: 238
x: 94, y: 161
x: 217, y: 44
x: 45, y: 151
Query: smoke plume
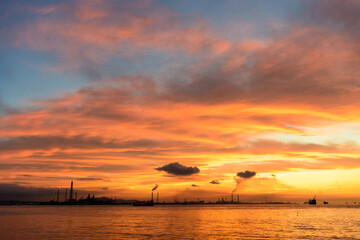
x: 154, y: 188
x: 242, y: 176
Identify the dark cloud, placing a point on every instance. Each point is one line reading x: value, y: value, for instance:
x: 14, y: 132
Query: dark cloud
x: 13, y: 191
x: 246, y: 174
x: 10, y: 191
x: 178, y: 169
x: 215, y: 181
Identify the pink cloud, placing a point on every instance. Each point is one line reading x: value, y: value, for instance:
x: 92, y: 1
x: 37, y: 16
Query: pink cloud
x: 94, y: 32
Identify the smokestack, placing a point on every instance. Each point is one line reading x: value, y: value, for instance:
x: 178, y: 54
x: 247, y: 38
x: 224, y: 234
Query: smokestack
x: 238, y: 199
x: 66, y: 195
x: 58, y: 195
x: 152, y: 196
x: 71, y: 191
x: 157, y: 197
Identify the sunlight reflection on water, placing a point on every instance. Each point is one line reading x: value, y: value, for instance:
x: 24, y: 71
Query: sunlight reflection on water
x: 180, y: 222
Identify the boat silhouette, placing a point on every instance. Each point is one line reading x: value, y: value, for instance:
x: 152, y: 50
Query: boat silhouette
x: 312, y: 201
x: 143, y: 203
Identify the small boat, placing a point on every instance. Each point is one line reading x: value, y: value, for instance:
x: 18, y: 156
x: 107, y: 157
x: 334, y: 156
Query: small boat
x: 312, y: 201
x: 325, y: 202
x: 143, y: 203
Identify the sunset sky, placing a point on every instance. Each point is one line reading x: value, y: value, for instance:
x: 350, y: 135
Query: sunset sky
x: 122, y: 95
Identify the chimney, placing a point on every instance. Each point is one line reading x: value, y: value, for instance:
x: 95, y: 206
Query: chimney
x: 152, y: 196
x: 71, y: 191
x: 58, y: 195
x: 157, y: 197
x: 66, y: 195
x: 238, y: 199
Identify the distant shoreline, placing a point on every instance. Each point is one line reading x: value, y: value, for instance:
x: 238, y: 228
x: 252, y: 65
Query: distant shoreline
x: 12, y: 203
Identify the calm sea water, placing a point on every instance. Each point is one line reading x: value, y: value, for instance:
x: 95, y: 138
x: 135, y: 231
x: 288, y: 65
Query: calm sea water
x: 180, y: 222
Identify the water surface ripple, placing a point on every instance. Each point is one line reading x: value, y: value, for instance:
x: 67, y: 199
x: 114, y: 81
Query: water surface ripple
x: 180, y: 222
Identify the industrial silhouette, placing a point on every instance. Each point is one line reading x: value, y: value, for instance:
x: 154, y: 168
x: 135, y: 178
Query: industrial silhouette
x: 90, y: 199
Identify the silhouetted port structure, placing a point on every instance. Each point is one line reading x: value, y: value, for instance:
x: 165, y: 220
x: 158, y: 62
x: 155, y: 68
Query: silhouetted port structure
x: 224, y: 201
x: 74, y: 200
x: 148, y: 203
x: 91, y: 200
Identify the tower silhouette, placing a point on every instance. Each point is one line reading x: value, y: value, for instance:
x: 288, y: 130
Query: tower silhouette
x: 71, y: 191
